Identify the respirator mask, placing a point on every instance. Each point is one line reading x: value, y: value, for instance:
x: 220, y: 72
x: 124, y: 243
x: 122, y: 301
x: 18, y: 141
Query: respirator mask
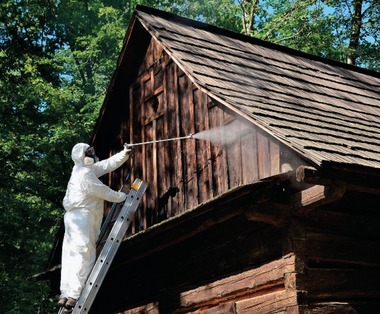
x: 90, y: 152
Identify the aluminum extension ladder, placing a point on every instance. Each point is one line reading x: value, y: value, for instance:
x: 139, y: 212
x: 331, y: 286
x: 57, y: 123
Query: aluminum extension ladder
x: 110, y: 248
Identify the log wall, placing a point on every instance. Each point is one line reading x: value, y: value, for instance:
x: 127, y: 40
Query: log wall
x: 339, y: 245
x: 331, y: 265
x: 266, y: 289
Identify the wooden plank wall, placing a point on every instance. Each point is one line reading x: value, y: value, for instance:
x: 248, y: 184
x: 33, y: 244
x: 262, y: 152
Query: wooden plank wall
x: 164, y: 103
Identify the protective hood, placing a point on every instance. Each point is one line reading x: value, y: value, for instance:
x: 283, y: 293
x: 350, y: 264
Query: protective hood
x: 78, y: 153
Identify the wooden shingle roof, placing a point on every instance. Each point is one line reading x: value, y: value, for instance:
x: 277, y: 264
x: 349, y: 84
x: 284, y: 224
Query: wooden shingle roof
x: 326, y: 111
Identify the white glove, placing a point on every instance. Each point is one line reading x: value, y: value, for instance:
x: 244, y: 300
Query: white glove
x: 127, y: 150
x: 122, y: 196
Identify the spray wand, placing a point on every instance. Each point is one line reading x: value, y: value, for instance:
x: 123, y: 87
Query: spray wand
x: 160, y: 141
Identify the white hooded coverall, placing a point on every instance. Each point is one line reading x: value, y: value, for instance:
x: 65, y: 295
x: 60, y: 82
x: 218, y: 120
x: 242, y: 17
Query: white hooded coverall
x: 83, y: 203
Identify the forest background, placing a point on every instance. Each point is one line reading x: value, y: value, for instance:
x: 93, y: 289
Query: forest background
x: 57, y: 58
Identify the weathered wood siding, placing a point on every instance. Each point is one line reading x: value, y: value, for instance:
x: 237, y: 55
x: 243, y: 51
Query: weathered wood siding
x: 164, y: 103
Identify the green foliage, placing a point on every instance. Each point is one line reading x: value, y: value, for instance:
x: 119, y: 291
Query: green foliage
x: 321, y: 28
x: 42, y: 113
x: 222, y: 13
x: 57, y: 58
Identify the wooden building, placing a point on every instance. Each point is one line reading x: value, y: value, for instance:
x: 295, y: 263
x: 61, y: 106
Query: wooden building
x: 275, y: 210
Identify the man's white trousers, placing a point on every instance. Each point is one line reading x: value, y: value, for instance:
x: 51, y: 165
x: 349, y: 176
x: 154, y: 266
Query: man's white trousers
x: 78, y: 250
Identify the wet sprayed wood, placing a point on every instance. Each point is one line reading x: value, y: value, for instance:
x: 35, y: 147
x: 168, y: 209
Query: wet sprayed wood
x: 263, y: 155
x: 250, y: 171
x: 186, y: 122
x: 234, y: 156
x: 203, y: 152
x: 176, y: 146
x: 218, y: 157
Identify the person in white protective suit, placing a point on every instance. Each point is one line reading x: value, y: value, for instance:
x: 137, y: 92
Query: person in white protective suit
x: 83, y: 203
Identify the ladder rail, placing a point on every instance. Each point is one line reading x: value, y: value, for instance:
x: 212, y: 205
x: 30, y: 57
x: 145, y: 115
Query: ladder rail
x: 110, y: 248
x: 110, y: 219
x: 114, y: 211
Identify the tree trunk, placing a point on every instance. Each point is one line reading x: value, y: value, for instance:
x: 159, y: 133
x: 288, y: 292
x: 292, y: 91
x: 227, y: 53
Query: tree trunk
x: 356, y: 25
x: 248, y: 8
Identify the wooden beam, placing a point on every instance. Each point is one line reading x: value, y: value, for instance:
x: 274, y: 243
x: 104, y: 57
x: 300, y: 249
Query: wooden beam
x: 360, y: 182
x: 268, y: 278
x: 327, y: 248
x: 275, y: 302
x: 265, y: 209
x: 351, y: 307
x: 150, y: 308
x: 275, y: 214
x: 317, y: 195
x: 337, y: 283
x: 225, y: 308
